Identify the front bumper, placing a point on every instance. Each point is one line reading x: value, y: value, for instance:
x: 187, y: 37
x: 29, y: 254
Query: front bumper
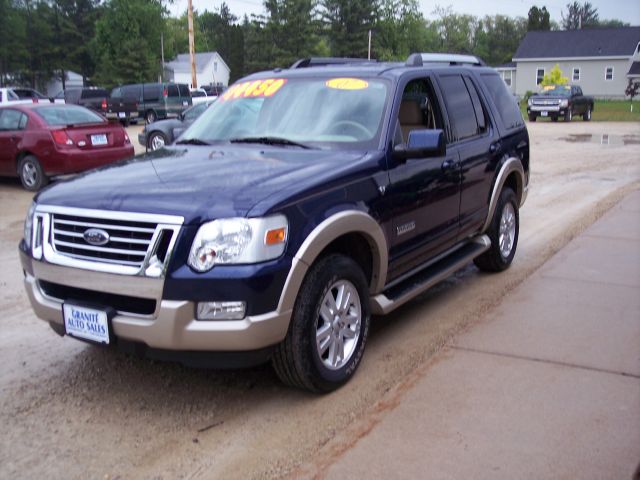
x: 172, y: 326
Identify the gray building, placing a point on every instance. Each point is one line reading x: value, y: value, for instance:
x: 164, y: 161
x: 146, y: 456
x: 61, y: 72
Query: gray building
x: 599, y: 60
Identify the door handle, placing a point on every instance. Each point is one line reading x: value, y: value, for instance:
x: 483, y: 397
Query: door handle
x: 448, y: 165
x: 495, y: 147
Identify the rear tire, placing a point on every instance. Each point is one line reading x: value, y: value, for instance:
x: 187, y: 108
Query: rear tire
x: 31, y: 173
x: 586, y: 116
x: 503, y: 232
x: 150, y: 116
x: 554, y: 119
x: 532, y: 118
x: 328, y: 329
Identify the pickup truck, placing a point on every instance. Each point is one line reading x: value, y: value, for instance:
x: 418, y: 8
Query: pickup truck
x: 560, y: 101
x: 301, y: 203
x: 120, y: 107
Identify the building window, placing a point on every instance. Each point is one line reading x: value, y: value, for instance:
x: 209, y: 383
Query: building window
x: 608, y: 73
x: 506, y: 76
x: 539, y: 75
x: 576, y: 75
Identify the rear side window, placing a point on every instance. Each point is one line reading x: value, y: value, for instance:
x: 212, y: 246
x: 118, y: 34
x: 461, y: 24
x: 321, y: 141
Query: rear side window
x: 116, y: 92
x: 172, y: 91
x: 94, y: 93
x: 11, y: 119
x: 505, y: 103
x: 131, y: 92
x: 184, y: 91
x: 152, y: 92
x: 462, y: 115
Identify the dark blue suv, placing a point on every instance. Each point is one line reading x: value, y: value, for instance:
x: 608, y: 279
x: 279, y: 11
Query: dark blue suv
x: 301, y: 203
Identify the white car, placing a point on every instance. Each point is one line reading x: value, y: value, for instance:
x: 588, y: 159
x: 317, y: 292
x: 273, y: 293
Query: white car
x: 199, y: 95
x: 8, y: 96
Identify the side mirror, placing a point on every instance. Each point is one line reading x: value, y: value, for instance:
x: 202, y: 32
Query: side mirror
x: 422, y: 144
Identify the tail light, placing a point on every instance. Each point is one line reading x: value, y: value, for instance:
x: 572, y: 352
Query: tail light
x: 61, y: 137
x: 126, y: 138
x: 34, y: 99
x: 103, y: 105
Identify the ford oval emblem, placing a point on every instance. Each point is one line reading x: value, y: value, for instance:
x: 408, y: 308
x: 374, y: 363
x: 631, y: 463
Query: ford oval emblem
x: 96, y: 236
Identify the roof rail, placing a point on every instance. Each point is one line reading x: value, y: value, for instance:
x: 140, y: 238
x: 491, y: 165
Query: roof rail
x: 419, y: 59
x: 324, y: 61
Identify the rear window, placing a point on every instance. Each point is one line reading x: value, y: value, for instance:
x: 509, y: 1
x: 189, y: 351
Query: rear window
x: 94, y: 93
x: 184, y: 91
x: 131, y: 92
x: 68, y: 115
x: 172, y: 91
x: 505, y: 103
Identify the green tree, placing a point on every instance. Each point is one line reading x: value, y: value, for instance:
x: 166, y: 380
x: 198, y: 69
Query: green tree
x: 498, y: 37
x: 401, y: 30
x: 457, y: 31
x: 221, y: 32
x: 347, y: 25
x: 13, y: 53
x: 554, y: 77
x: 580, y: 16
x: 538, y: 19
x: 127, y: 42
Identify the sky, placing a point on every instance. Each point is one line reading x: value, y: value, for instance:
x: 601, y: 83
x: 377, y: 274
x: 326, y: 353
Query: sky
x: 625, y: 10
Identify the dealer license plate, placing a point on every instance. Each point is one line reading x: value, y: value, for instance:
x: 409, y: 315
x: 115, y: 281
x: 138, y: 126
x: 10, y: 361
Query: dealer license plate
x: 86, y: 323
x: 122, y: 114
x: 100, y: 139
x: 544, y: 114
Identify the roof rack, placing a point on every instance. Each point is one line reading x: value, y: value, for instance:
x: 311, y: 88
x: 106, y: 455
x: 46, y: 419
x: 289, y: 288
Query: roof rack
x: 324, y: 61
x: 419, y: 59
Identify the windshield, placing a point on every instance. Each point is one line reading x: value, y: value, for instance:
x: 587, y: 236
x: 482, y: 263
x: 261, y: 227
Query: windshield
x: 562, y: 90
x: 318, y: 112
x: 68, y: 115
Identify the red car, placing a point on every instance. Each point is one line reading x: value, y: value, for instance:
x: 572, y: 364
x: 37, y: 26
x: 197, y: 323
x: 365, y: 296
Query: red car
x: 38, y: 141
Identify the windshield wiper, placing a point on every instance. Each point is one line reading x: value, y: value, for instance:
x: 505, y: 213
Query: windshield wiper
x: 269, y: 141
x: 192, y: 141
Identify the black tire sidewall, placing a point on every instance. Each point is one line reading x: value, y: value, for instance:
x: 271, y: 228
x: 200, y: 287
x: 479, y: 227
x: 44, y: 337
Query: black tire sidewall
x: 150, y: 114
x: 41, y: 180
x: 328, y: 271
x: 506, y: 196
x: 156, y: 134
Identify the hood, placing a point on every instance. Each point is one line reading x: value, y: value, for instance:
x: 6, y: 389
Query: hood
x: 198, y: 182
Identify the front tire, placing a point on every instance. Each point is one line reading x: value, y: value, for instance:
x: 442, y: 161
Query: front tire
x: 503, y: 232
x: 31, y: 173
x: 328, y: 329
x: 568, y: 116
x: 157, y: 140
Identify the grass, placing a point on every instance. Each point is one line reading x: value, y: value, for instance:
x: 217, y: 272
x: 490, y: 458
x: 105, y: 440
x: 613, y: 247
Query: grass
x: 607, y: 111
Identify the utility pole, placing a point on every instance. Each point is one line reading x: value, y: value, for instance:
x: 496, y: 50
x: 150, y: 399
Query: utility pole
x: 192, y: 48
x: 369, y: 50
x: 162, y: 54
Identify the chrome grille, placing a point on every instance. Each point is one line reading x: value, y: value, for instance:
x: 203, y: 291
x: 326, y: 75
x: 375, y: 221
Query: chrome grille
x: 128, y: 242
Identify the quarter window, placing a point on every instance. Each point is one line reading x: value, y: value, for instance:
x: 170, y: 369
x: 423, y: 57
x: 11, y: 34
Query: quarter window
x: 10, y: 120
x: 505, y: 103
x: 539, y: 75
x: 576, y: 75
x: 608, y: 74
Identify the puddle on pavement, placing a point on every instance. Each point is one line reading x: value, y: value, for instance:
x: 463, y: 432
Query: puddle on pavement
x: 603, y: 139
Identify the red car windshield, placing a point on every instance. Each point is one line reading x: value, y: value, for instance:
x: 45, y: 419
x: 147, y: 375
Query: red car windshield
x: 68, y: 115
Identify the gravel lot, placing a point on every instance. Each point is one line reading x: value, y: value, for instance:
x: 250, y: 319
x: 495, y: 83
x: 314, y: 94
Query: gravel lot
x: 71, y: 410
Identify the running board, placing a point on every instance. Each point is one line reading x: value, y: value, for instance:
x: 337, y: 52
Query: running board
x: 400, y: 294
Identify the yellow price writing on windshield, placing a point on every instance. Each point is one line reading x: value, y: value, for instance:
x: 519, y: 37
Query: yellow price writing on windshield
x: 254, y: 89
x: 347, y: 84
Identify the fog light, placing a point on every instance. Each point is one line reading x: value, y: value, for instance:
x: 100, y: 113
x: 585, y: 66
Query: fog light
x: 221, y: 310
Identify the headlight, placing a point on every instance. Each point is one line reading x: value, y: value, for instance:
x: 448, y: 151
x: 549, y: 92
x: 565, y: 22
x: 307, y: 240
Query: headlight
x: 28, y: 225
x: 529, y: 102
x: 238, y: 240
x: 564, y: 103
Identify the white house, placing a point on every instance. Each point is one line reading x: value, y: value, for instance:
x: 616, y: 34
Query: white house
x: 597, y: 59
x: 211, y: 69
